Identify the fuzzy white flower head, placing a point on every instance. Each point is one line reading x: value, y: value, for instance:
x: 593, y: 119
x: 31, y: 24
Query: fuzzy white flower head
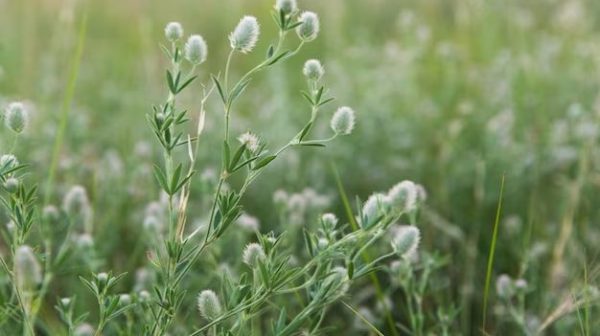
x: 337, y: 281
x: 28, y: 272
x: 309, y: 28
x: 250, y: 140
x: 504, y: 286
x: 76, y: 201
x: 250, y: 223
x: 196, y: 49
x: 11, y: 185
x: 16, y: 117
x: 286, y: 6
x: 245, y: 35
x: 173, y: 31
x: 84, y: 329
x: 343, y: 120
x: 329, y: 221
x: 404, y: 195
x: 8, y: 161
x: 209, y: 305
x: 375, y: 206
x: 406, y: 241
x: 313, y: 70
x: 252, y: 254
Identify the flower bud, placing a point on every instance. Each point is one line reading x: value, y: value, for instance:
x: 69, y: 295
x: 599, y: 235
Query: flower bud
x: 309, y: 28
x: 102, y: 279
x: 28, y: 273
x: 65, y: 302
x: 8, y: 161
x: 84, y: 330
x: 15, y: 117
x: 504, y: 286
x: 11, y: 185
x: 250, y: 140
x: 50, y: 214
x: 245, y: 35
x: 173, y: 31
x: 144, y: 296
x: 406, y: 241
x: 196, y: 49
x: 209, y: 305
x: 313, y: 70
x: 375, y: 207
x: 76, y: 201
x: 286, y: 6
x: 329, y: 221
x: 404, y: 195
x: 342, y: 121
x: 124, y: 299
x: 253, y: 253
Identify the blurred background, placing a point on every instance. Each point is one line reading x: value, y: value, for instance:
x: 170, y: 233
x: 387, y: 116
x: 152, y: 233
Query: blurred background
x: 450, y: 94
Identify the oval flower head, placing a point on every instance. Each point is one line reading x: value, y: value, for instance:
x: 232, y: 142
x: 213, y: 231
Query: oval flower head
x: 15, y: 117
x: 342, y: 122
x: 252, y: 254
x: 209, y: 305
x: 309, y: 28
x: 406, y: 241
x: 286, y: 6
x: 173, y: 31
x: 196, y: 49
x: 250, y: 140
x: 375, y: 207
x: 313, y: 70
x: 404, y: 195
x: 28, y: 273
x: 245, y: 35
x: 8, y: 161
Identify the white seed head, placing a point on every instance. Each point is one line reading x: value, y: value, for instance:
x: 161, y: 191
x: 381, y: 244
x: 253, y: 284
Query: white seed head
x: 309, y: 28
x: 404, y: 195
x: 343, y: 120
x: 250, y: 140
x: 521, y: 285
x: 124, y: 299
x: 16, y: 116
x: 144, y: 296
x: 8, y: 161
x: 253, y: 253
x: 209, y: 305
x: 102, y: 277
x: 84, y: 330
x: 245, y: 35
x: 504, y: 286
x: 11, y: 184
x: 280, y: 197
x: 286, y: 6
x: 375, y: 206
x: 313, y: 70
x: 337, y: 281
x: 249, y: 223
x: 76, y: 201
x: 50, y: 214
x: 329, y: 221
x: 28, y: 272
x: 173, y: 31
x: 196, y: 49
x: 65, y: 302
x: 406, y: 241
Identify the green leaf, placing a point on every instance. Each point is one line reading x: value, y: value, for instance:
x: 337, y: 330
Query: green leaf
x: 220, y: 89
x: 279, y: 57
x: 264, y: 162
x: 161, y: 178
x: 175, y: 179
x: 171, y: 82
x: 185, y: 84
x: 237, y: 90
x: 236, y: 157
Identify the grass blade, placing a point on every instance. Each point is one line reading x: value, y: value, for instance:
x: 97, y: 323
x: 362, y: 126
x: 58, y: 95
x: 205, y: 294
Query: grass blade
x: 490, y: 262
